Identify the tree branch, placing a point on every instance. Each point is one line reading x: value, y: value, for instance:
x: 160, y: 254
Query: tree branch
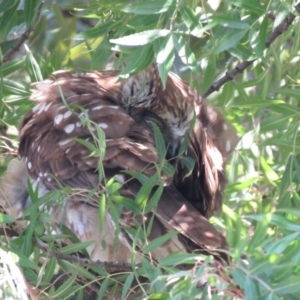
x: 240, y: 68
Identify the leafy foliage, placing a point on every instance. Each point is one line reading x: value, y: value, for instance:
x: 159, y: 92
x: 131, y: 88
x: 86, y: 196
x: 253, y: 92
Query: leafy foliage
x: 201, y: 41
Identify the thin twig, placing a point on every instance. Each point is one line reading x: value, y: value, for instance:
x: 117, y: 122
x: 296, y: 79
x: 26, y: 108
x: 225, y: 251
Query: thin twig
x: 23, y: 38
x: 282, y: 27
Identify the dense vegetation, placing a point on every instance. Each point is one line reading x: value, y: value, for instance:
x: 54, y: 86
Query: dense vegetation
x: 201, y: 41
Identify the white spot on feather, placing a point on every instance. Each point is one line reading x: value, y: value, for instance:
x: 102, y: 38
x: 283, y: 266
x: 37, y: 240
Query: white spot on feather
x: 29, y: 165
x: 64, y: 142
x: 120, y: 178
x: 103, y: 125
x: 225, y: 127
x: 69, y: 128
x: 67, y: 114
x: 41, y: 108
x: 36, y: 108
x: 47, y: 106
x: 58, y: 119
x: 39, y: 148
x: 98, y: 107
x: 227, y: 146
x: 78, y: 124
x: 142, y: 147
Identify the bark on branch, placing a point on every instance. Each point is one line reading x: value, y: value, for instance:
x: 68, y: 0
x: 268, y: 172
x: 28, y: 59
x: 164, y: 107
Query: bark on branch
x: 240, y: 68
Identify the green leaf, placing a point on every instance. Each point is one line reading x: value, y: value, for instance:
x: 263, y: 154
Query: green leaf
x: 65, y: 289
x: 81, y: 270
x: 88, y: 145
x: 240, y: 186
x: 6, y: 219
x: 159, y: 142
x: 210, y: 73
x: 175, y: 259
x: 155, y: 198
x: 229, y: 40
x: 268, y: 171
x: 11, y: 66
x: 29, y: 10
x: 96, y: 31
x: 144, y: 192
x: 280, y: 245
x: 165, y: 54
x: 183, y: 146
x: 101, y: 55
x: 49, y: 270
x: 226, y: 94
x: 73, y: 248
x: 250, y: 287
x: 147, y: 267
x: 147, y: 7
x: 142, y: 178
x: 102, y: 211
x: 168, y: 169
x: 103, y: 289
x: 251, y: 5
x: 128, y: 203
x: 293, y: 211
x: 24, y: 261
x: 243, y: 53
x: 8, y: 19
x: 231, y: 22
x: 191, y: 21
x: 159, y: 296
x: 258, y: 39
x: 13, y: 87
x: 141, y: 38
x: 5, y: 5
x: 159, y: 241
x: 127, y: 285
x: 142, y: 59
x: 189, y: 163
x: 260, y: 233
x: 288, y: 286
x: 184, y: 52
x: 34, y: 67
x: 277, y: 220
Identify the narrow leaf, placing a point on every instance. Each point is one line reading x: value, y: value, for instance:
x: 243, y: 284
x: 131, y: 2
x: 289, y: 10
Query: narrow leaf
x: 141, y: 38
x: 159, y: 241
x: 147, y: 7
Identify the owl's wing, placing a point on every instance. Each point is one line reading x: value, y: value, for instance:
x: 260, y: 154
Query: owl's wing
x: 71, y: 107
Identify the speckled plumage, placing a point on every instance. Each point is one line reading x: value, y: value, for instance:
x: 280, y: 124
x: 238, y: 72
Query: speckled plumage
x: 70, y: 105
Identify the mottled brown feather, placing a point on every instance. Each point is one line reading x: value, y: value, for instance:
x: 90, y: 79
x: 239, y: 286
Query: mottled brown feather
x: 124, y: 110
